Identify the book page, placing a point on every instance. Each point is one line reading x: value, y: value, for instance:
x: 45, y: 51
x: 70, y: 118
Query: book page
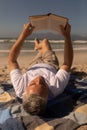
x: 39, y: 22
x: 55, y: 22
x: 48, y: 22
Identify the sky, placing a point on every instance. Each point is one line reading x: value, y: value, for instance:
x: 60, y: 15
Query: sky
x: 14, y: 13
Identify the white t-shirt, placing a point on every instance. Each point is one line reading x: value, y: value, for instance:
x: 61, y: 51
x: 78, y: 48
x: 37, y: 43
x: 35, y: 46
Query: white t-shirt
x: 56, y: 80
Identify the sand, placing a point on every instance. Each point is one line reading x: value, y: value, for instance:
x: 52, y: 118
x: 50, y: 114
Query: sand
x: 79, y: 63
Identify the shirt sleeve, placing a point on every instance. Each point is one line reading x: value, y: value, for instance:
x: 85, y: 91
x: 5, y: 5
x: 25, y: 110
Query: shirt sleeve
x: 19, y: 81
x: 60, y: 82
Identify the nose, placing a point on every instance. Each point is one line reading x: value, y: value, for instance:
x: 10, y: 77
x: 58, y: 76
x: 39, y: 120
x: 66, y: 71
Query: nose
x: 39, y: 79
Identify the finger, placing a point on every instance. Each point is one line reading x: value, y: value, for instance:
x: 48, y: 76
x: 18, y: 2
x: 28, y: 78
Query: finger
x: 31, y: 27
x: 36, y: 40
x: 27, y: 25
x: 68, y: 26
x: 61, y: 27
x: 24, y: 25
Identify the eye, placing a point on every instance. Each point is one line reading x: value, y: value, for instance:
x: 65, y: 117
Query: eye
x: 32, y: 84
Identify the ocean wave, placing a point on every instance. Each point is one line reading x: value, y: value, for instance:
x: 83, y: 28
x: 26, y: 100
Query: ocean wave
x: 7, y: 40
x: 1, y: 40
x: 7, y: 51
x: 32, y: 41
x: 26, y: 51
x: 13, y: 40
x: 80, y: 41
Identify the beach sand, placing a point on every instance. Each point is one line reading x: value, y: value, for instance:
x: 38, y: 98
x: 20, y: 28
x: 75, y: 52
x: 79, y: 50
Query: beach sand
x: 79, y: 63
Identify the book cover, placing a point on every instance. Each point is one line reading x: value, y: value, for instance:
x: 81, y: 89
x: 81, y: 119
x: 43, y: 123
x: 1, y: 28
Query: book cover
x: 49, y: 22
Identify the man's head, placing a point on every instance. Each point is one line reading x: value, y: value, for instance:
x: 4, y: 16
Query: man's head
x: 35, y: 96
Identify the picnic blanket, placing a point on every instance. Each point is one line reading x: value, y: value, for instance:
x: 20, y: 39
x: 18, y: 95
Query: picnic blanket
x: 68, y: 111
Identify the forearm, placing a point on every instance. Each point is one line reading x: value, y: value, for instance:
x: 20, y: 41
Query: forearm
x: 15, y: 50
x: 68, y: 49
x: 68, y: 52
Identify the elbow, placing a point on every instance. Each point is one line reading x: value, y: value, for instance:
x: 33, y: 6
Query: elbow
x: 12, y: 63
x: 69, y: 60
x: 10, y: 60
x: 67, y: 65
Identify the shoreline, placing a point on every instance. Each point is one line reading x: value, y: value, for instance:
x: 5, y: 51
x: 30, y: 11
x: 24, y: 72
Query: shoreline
x: 56, y: 50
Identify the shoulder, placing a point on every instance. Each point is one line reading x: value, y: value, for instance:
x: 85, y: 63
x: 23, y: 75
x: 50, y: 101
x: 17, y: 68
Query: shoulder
x: 63, y: 74
x: 15, y: 74
x: 65, y: 67
x: 15, y: 71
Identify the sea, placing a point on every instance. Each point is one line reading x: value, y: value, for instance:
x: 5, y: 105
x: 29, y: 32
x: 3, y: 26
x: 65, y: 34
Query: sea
x: 28, y: 47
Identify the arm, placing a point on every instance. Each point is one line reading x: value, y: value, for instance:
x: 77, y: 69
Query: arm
x: 15, y: 50
x: 68, y: 50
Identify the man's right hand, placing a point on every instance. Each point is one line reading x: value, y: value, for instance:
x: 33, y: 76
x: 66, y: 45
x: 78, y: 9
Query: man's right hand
x: 27, y: 30
x: 15, y: 50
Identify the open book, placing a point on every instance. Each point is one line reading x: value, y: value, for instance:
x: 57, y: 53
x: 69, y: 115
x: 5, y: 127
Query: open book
x: 48, y: 22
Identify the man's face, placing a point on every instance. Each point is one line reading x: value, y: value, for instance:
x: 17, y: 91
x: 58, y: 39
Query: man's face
x: 38, y: 86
